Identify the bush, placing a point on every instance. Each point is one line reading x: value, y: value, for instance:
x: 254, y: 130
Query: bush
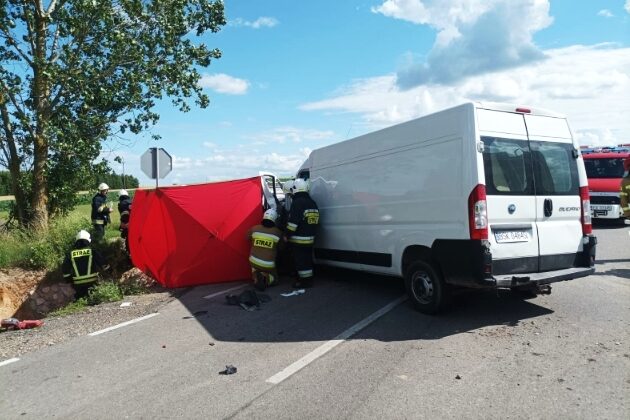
x: 104, y: 292
x: 71, y: 308
x: 47, y: 249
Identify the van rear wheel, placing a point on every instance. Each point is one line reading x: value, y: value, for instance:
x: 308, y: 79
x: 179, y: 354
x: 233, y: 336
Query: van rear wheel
x: 426, y: 287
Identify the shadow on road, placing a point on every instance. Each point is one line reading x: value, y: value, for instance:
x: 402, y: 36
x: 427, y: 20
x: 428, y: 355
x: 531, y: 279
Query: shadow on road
x: 608, y: 224
x: 341, y: 299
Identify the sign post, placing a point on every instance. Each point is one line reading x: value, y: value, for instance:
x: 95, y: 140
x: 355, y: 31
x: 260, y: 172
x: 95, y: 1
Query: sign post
x: 156, y: 163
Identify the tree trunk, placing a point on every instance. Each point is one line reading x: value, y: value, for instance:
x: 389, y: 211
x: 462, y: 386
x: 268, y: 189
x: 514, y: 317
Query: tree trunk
x: 40, y: 96
x: 14, y: 165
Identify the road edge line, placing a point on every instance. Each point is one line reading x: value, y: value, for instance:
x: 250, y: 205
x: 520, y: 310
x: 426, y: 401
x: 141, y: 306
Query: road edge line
x: 9, y: 361
x: 326, y: 347
x: 124, y: 324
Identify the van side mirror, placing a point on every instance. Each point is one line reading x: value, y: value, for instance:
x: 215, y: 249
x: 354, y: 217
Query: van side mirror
x: 576, y: 153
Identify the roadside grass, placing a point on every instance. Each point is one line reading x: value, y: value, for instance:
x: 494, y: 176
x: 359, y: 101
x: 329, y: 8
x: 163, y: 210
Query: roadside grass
x: 46, y: 250
x: 101, y: 293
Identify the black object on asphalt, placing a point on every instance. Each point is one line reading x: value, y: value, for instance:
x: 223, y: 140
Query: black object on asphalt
x: 229, y: 370
x: 248, y: 300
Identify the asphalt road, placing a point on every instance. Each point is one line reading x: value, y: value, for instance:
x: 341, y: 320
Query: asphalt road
x: 330, y: 353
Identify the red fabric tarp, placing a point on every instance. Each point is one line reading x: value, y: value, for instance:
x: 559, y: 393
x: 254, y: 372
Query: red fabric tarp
x: 191, y: 235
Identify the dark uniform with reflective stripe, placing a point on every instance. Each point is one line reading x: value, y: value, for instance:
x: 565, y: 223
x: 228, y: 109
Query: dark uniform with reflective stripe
x: 100, y: 215
x: 265, y: 241
x: 301, y: 230
x: 124, y: 207
x: 82, y: 265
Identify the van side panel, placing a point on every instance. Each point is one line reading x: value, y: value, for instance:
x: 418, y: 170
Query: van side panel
x: 402, y: 186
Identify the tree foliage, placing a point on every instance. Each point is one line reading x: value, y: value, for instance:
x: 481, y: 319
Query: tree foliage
x: 74, y: 73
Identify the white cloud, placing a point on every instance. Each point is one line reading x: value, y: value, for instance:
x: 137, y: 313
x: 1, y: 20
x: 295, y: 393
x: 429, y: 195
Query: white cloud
x: 290, y: 135
x: 590, y: 84
x: 627, y: 6
x: 209, y: 145
x: 261, y: 22
x: 223, y: 83
x: 474, y: 36
x: 605, y: 13
x: 239, y: 162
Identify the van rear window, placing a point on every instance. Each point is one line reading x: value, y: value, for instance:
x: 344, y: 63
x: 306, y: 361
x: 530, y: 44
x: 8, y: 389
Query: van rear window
x: 507, y: 166
x: 555, y: 168
x: 521, y: 167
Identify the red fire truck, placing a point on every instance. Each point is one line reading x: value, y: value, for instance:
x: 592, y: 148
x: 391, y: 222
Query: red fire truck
x: 604, y: 169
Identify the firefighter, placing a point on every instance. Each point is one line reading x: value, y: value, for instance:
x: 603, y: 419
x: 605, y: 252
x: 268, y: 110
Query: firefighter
x: 100, y: 211
x: 301, y: 229
x: 625, y: 189
x: 82, y: 265
x: 124, y: 208
x: 265, y: 239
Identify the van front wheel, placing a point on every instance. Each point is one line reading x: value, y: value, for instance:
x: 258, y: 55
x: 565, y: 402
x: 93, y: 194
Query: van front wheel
x: 425, y: 287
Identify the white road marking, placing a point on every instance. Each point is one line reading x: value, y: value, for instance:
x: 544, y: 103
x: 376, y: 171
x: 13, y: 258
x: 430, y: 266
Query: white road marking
x: 225, y: 291
x: 124, y: 324
x: 6, y: 362
x: 326, y: 347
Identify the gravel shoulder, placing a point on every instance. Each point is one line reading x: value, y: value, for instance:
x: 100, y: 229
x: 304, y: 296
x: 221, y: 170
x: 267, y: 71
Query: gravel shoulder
x: 63, y: 328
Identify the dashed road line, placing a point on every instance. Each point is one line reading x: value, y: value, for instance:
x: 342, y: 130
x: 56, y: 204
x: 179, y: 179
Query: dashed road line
x: 8, y: 361
x: 225, y: 291
x: 326, y: 347
x: 124, y: 324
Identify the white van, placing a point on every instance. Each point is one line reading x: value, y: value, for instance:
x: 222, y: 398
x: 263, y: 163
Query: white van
x: 480, y: 195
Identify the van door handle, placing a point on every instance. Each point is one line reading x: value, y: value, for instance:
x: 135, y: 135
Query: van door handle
x: 548, y: 207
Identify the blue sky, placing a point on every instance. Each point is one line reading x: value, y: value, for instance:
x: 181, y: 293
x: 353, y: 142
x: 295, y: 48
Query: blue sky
x: 295, y: 76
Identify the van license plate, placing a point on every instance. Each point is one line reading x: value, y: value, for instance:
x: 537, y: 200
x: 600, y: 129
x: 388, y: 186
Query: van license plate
x: 601, y: 208
x: 511, y: 236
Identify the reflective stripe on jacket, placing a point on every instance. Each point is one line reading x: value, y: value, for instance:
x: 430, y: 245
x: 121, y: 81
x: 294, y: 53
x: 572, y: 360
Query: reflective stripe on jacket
x: 264, y: 246
x: 82, y: 265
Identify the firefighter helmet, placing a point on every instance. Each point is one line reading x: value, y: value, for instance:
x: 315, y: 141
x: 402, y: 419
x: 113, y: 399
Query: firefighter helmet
x: 123, y: 193
x: 300, y: 185
x: 271, y: 215
x: 103, y: 186
x: 84, y: 234
x: 287, y: 187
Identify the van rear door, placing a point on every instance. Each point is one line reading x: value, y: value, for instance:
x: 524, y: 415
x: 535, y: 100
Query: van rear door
x: 532, y: 188
x: 510, y: 194
x: 557, y: 185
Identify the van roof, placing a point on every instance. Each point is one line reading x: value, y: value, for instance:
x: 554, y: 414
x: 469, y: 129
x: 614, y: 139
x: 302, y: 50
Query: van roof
x: 500, y: 106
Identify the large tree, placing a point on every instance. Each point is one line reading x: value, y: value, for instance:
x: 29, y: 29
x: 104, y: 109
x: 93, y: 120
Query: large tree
x: 75, y: 72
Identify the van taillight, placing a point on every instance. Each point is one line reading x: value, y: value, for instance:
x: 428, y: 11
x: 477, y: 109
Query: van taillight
x: 478, y: 213
x: 587, y: 227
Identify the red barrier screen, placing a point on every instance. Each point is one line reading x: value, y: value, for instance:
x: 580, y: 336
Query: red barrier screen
x: 190, y: 235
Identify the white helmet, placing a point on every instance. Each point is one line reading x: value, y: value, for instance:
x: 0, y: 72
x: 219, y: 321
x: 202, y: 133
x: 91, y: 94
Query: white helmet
x: 84, y: 234
x: 271, y: 214
x: 123, y: 192
x: 300, y: 185
x: 103, y: 186
x: 287, y: 186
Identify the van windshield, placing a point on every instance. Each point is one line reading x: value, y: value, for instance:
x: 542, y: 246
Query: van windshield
x: 521, y: 167
x: 604, y: 167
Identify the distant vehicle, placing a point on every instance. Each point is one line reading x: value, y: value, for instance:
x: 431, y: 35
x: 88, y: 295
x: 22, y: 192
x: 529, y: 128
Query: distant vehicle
x: 480, y: 196
x: 605, y: 171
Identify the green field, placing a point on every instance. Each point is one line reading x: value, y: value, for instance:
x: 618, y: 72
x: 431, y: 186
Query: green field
x: 46, y: 250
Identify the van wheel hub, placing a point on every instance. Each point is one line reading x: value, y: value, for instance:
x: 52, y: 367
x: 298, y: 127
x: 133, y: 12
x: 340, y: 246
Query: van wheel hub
x: 422, y: 287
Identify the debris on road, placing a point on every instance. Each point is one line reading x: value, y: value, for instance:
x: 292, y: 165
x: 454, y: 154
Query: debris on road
x: 458, y: 377
x: 16, y: 324
x: 248, y: 300
x: 125, y: 304
x: 229, y: 370
x: 294, y: 293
